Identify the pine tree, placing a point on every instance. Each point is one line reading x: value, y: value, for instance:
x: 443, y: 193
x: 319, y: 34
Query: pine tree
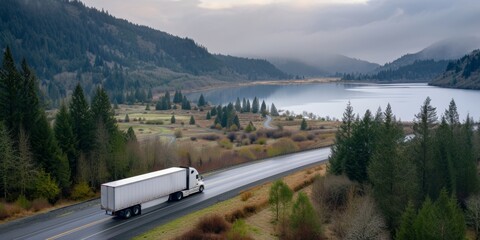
x: 208, y: 117
x: 407, y: 230
x: 63, y: 130
x: 102, y: 111
x: 362, y: 145
x: 172, y: 119
x: 342, y: 140
x: 255, y: 105
x: 10, y: 95
x: 425, y: 121
x: 168, y: 103
x: 244, y: 105
x: 186, y: 104
x: 192, y: 120
x: 236, y: 121
x: 213, y: 112
x: 238, y: 105
x: 303, y: 125
x: 263, y: 109
x: 451, y: 114
x: 82, y: 121
x: 201, y: 101
x: 273, y: 111
x: 247, y: 108
x: 390, y: 172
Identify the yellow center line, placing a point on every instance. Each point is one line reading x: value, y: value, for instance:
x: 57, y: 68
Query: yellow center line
x: 78, y: 229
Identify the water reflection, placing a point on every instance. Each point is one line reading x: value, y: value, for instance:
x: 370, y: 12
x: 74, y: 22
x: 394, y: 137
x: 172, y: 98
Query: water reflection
x: 330, y: 99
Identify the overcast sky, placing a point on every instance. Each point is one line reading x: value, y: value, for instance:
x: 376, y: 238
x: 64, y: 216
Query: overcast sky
x: 374, y: 30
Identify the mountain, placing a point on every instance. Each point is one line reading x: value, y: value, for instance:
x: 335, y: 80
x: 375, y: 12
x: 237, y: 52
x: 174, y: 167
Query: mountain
x: 448, y: 49
x: 66, y: 42
x: 462, y: 73
x: 418, y: 71
x: 324, y: 65
x: 297, y: 68
x: 252, y: 69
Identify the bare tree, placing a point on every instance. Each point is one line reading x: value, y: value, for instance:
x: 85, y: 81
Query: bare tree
x: 472, y: 215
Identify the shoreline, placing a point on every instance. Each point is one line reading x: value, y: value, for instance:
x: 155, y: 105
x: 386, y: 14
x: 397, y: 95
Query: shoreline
x: 266, y: 82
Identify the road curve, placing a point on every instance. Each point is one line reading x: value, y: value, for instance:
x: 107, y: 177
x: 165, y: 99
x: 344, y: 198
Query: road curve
x: 87, y: 221
x: 266, y: 123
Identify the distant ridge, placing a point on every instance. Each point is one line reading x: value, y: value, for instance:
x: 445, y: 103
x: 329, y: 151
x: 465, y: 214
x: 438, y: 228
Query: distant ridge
x: 462, y: 73
x: 66, y: 42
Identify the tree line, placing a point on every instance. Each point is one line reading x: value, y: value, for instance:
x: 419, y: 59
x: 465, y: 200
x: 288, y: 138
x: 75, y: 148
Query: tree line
x: 420, y: 184
x: 84, y: 146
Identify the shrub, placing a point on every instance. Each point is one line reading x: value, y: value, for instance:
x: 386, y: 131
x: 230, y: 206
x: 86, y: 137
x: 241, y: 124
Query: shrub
x: 252, y: 137
x: 310, y: 136
x: 23, y: 202
x: 178, y: 133
x: 239, y: 231
x: 213, y: 224
x: 232, y: 136
x: 331, y: 193
x: 210, y: 137
x: 282, y: 146
x: 262, y: 141
x: 246, y: 153
x: 246, y: 195
x: 249, y: 210
x: 3, y: 211
x: 154, y: 122
x: 39, y: 204
x: 237, y: 214
x: 225, y: 143
x: 81, y: 191
x: 299, y: 137
x: 46, y: 187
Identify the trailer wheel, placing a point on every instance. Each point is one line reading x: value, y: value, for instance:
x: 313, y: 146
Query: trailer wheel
x: 127, y: 213
x: 179, y: 196
x: 201, y: 189
x: 137, y: 210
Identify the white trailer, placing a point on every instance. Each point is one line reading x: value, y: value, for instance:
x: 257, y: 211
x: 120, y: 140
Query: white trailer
x: 125, y: 197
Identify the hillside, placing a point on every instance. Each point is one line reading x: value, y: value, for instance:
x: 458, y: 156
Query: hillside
x: 447, y: 49
x: 297, y: 68
x: 418, y: 71
x: 252, y: 69
x: 323, y: 65
x: 462, y: 73
x: 66, y: 42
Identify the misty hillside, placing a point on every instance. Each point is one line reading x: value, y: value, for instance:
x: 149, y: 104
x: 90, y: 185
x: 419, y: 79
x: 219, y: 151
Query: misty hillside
x: 324, y: 65
x: 66, y: 42
x: 418, y: 71
x: 448, y: 49
x: 462, y: 73
x: 297, y: 68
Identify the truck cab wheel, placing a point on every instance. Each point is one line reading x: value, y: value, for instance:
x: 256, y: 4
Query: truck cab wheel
x: 201, y: 189
x: 127, y: 213
x: 179, y: 196
x: 137, y: 210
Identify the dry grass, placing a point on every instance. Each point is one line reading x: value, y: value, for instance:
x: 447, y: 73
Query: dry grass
x: 255, y: 208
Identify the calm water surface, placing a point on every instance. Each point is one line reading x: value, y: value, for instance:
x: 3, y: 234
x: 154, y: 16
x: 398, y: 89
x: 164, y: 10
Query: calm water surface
x: 330, y: 99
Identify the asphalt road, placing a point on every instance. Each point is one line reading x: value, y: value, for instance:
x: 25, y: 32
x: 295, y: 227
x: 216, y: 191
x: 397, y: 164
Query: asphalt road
x: 266, y: 123
x: 88, y: 221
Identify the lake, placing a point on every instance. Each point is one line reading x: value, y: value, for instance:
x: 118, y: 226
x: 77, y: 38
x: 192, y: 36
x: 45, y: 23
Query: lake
x: 330, y: 99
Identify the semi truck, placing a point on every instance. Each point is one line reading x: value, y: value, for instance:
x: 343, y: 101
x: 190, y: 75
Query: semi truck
x: 124, y: 198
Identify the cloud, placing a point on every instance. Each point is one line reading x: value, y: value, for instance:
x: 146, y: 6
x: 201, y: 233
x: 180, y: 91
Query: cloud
x: 375, y: 30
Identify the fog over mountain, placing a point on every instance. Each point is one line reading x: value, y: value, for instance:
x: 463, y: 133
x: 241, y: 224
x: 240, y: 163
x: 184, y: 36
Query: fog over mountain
x: 377, y: 31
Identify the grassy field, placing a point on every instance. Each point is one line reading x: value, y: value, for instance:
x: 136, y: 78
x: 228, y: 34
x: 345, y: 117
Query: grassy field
x: 258, y: 223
